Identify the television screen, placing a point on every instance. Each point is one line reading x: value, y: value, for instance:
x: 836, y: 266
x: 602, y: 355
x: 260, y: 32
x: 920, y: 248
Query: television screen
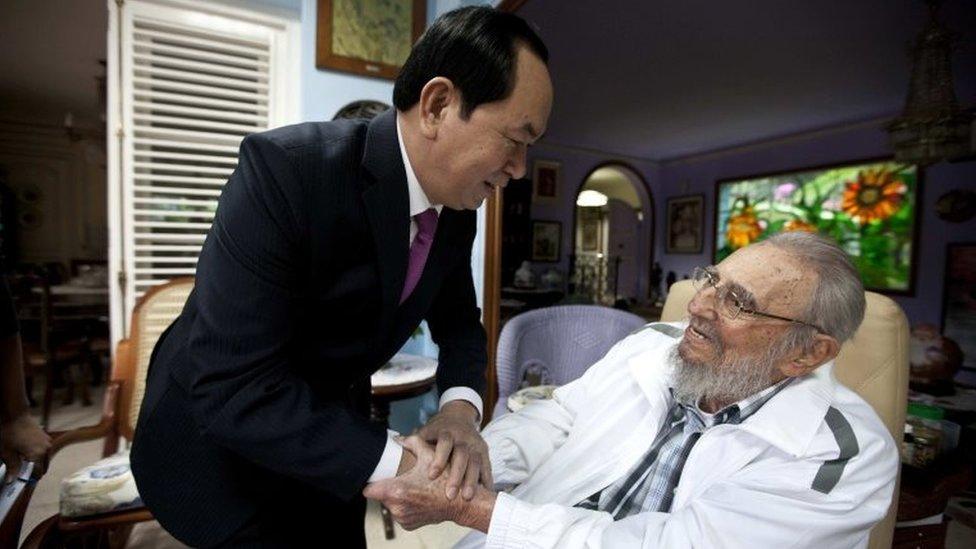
x: 867, y: 208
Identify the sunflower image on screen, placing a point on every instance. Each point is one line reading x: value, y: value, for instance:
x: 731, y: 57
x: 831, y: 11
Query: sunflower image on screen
x: 868, y: 208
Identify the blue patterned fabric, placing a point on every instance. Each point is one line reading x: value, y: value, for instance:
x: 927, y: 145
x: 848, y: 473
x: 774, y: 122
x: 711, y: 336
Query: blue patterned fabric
x: 103, y: 487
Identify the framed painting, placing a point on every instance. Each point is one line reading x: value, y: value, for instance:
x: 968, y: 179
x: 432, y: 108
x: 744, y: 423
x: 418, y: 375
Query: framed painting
x: 685, y: 220
x: 959, y: 304
x: 590, y: 221
x: 545, y: 181
x: 546, y: 236
x: 367, y: 37
x: 869, y: 208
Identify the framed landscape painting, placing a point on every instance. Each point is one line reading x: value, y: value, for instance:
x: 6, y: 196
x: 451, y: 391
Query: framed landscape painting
x: 869, y: 208
x: 367, y: 37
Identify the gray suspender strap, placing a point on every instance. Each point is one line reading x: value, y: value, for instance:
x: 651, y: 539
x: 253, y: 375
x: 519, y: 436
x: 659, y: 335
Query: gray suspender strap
x: 666, y: 329
x: 830, y: 472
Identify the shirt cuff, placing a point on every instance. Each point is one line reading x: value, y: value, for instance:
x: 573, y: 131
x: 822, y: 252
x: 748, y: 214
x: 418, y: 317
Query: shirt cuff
x: 463, y: 393
x: 390, y: 460
x: 504, y: 531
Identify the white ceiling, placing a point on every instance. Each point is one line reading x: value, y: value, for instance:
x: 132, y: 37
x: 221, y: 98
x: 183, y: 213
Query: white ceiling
x: 50, y: 58
x: 663, y: 79
x: 613, y: 183
x: 654, y: 79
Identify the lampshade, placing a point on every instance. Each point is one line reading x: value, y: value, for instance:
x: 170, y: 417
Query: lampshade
x: 590, y: 198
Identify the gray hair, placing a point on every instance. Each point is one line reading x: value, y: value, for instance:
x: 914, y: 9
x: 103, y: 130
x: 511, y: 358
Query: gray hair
x: 837, y: 304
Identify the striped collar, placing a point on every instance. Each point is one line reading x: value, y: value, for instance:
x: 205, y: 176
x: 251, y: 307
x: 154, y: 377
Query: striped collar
x: 737, y: 412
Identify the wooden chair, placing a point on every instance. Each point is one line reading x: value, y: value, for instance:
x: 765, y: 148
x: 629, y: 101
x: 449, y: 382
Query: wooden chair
x: 154, y: 312
x: 52, y: 342
x: 12, y: 518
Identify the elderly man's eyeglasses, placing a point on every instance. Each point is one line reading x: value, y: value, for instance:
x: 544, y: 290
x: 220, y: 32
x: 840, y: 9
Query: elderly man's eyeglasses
x: 730, y: 303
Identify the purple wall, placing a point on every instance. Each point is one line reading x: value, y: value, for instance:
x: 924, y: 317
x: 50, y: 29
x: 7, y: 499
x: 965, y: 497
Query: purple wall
x: 576, y: 165
x: 698, y: 175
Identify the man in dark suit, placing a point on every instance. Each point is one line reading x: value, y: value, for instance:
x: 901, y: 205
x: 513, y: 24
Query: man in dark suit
x: 331, y: 242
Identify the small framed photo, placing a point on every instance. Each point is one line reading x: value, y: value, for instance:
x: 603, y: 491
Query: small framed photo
x: 590, y: 223
x: 545, y: 181
x: 685, y: 224
x: 546, y: 239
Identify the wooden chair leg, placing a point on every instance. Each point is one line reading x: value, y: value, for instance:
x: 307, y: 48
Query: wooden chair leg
x: 49, y: 371
x: 387, y: 522
x: 44, y: 536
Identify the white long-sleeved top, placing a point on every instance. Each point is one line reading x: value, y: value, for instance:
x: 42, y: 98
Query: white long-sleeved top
x: 776, y: 480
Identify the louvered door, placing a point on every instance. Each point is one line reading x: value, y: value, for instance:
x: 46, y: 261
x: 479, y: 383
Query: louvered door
x: 193, y: 81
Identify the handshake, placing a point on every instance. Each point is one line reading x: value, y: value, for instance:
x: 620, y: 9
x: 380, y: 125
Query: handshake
x: 449, y: 481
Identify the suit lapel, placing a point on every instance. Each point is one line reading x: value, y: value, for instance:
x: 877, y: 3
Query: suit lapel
x: 387, y: 207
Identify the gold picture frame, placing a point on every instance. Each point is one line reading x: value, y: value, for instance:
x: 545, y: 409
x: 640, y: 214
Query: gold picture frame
x: 367, y: 37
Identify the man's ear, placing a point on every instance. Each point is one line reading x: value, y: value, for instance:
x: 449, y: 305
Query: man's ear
x: 435, y: 99
x: 824, y: 349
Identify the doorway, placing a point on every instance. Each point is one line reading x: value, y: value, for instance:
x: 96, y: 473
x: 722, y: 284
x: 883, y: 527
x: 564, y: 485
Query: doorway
x: 611, y: 258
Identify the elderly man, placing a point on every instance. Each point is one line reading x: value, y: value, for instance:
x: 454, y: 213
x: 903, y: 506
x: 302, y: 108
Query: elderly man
x: 729, y: 430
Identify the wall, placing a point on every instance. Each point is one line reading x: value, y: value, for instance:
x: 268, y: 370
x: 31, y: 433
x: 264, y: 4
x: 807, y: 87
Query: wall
x: 324, y: 92
x: 576, y: 165
x: 861, y: 141
x: 59, y: 188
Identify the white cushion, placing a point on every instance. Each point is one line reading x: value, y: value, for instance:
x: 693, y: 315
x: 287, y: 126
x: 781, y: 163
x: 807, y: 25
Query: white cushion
x: 103, y: 487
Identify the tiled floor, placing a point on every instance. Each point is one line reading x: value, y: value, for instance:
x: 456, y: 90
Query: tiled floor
x: 44, y: 503
x: 152, y: 536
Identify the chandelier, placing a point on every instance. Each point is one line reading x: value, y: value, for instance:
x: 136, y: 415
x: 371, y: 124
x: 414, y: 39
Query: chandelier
x: 933, y: 127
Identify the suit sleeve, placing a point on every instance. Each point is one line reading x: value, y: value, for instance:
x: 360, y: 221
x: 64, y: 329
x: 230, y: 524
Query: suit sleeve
x: 240, y: 378
x: 455, y: 325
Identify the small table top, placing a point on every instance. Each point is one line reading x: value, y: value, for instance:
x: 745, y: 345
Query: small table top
x: 73, y: 289
x: 404, y: 373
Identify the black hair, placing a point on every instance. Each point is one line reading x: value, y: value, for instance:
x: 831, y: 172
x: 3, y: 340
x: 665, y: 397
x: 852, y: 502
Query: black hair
x: 473, y: 47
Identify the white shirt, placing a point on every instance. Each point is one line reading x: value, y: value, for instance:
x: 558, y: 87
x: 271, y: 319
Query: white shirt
x: 760, y: 483
x: 393, y: 452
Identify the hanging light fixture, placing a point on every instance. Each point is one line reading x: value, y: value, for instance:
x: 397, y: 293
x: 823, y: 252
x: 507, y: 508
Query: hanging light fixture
x: 933, y: 127
x: 590, y: 198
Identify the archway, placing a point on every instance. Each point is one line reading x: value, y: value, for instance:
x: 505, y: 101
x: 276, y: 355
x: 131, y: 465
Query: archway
x: 613, y: 236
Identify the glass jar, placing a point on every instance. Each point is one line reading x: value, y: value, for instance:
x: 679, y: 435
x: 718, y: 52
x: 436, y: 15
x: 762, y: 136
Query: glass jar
x: 926, y: 422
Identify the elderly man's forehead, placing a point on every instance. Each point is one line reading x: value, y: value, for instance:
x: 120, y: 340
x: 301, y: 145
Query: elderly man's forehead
x: 766, y: 270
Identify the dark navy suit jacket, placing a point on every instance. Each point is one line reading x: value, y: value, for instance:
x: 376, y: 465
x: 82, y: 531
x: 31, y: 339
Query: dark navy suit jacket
x: 296, y: 300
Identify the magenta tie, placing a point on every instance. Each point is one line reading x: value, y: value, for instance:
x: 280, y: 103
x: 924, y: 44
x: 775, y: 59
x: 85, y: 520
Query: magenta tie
x: 420, y: 249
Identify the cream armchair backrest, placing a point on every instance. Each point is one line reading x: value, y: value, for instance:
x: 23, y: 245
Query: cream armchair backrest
x: 874, y: 364
x: 153, y: 313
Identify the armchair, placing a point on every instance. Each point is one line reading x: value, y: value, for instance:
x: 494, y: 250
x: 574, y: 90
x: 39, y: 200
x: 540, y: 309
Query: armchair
x: 565, y: 340
x: 100, y: 503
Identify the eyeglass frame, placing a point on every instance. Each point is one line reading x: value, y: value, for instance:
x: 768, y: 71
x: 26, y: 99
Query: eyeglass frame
x: 712, y: 280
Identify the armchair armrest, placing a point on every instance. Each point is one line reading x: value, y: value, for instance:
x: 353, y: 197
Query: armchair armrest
x: 106, y: 427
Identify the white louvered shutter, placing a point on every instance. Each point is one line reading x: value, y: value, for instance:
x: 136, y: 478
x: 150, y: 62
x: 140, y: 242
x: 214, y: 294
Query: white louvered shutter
x: 193, y: 81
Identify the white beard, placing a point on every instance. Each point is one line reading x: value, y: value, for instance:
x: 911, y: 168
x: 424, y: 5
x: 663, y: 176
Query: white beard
x: 728, y: 382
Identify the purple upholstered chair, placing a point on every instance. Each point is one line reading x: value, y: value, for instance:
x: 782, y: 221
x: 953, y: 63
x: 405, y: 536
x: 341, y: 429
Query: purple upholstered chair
x: 564, y: 340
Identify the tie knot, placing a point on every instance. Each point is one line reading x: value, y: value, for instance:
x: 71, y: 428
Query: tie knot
x: 426, y: 221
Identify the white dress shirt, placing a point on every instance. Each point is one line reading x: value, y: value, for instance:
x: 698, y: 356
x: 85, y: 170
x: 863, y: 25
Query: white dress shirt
x: 390, y: 460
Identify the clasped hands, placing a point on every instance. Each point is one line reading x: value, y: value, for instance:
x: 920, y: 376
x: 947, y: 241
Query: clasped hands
x: 444, y: 474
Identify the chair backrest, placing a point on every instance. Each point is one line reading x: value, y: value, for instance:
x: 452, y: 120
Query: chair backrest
x: 565, y: 340
x: 153, y: 313
x: 874, y: 364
